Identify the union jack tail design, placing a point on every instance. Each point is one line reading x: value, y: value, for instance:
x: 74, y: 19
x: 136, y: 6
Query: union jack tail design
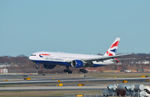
x: 113, y: 48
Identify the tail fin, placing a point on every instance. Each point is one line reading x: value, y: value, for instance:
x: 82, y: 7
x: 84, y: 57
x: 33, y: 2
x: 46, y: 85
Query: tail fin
x: 113, y: 48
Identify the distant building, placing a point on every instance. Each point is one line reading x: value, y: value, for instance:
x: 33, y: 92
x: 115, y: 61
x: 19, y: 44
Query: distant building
x: 143, y: 62
x: 4, y: 68
x: 3, y: 71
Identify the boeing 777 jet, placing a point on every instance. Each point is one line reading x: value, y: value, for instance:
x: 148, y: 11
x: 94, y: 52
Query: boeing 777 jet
x: 51, y: 59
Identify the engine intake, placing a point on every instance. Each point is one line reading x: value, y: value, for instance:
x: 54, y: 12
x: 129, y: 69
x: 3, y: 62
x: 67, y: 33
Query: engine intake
x: 77, y: 63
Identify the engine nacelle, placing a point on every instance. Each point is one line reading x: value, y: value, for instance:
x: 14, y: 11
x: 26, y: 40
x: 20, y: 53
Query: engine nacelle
x: 77, y: 63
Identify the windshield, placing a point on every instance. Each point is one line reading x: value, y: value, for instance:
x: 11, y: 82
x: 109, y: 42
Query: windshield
x: 33, y: 55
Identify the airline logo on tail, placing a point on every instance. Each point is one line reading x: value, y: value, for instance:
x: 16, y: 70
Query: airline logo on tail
x: 113, y: 48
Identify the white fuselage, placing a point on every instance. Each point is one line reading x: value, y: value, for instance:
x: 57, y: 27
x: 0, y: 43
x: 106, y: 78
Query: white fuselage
x: 65, y: 57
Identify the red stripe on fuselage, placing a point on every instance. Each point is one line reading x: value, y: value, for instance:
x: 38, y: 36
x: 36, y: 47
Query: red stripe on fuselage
x: 45, y: 54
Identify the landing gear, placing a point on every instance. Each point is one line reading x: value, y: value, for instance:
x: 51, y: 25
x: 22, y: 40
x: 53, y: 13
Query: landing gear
x: 83, y: 71
x: 49, y: 66
x: 37, y: 66
x: 68, y: 70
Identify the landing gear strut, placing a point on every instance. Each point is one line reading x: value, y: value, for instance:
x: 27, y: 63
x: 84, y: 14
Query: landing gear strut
x: 68, y: 70
x: 83, y: 71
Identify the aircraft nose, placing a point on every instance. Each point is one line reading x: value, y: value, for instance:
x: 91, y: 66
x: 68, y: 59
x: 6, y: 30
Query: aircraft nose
x: 30, y: 57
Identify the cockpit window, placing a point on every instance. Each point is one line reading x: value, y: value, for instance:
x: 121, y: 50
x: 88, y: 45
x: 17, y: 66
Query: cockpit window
x: 33, y: 55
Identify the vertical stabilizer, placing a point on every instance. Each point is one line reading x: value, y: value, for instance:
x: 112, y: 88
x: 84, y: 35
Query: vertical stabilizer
x: 113, y: 48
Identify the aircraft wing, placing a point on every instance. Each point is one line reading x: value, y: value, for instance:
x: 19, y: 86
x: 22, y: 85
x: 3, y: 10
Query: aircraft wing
x: 105, y: 58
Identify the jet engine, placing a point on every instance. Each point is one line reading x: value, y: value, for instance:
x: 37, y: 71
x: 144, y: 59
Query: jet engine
x: 77, y: 63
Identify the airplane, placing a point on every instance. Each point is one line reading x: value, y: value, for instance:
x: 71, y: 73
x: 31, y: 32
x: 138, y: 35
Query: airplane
x: 51, y: 59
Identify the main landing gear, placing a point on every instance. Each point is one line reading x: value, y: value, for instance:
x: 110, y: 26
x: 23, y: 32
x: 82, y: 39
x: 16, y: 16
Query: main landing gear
x: 83, y: 71
x: 68, y: 70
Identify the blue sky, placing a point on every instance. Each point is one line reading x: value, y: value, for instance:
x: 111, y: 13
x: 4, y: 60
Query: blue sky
x: 75, y: 26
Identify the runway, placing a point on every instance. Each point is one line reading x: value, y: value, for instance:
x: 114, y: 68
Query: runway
x: 75, y: 80
x: 42, y: 88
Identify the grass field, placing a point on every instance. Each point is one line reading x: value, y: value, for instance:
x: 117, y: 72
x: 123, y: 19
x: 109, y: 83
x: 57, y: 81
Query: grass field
x: 94, y: 75
x: 48, y: 93
x: 116, y: 75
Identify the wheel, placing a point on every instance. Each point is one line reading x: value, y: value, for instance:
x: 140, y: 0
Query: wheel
x: 68, y: 71
x: 83, y: 70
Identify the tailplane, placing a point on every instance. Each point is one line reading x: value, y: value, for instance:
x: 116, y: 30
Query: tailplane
x: 113, y: 48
